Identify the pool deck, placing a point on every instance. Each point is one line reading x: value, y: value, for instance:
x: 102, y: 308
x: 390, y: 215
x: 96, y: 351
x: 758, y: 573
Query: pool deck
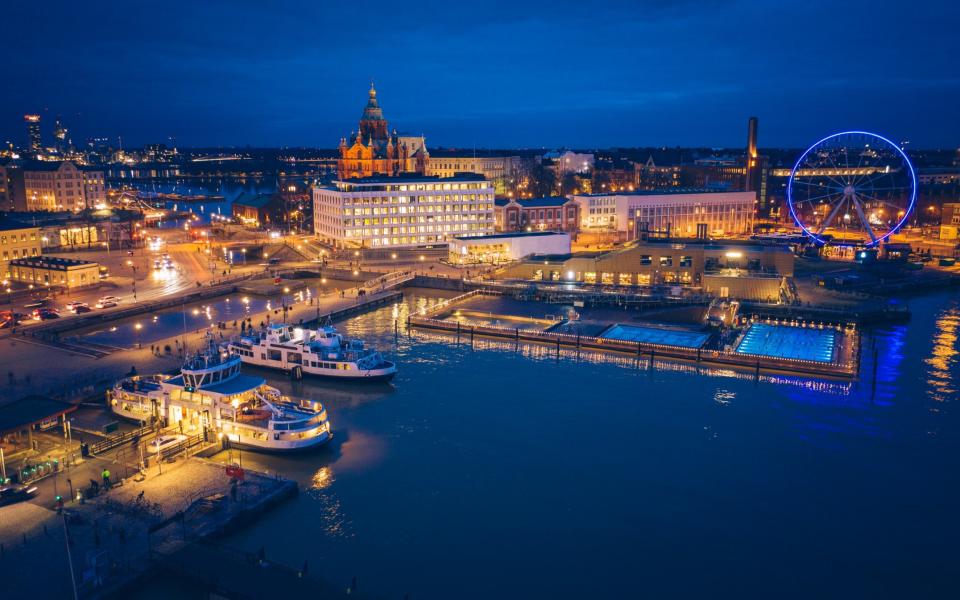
x: 846, y: 367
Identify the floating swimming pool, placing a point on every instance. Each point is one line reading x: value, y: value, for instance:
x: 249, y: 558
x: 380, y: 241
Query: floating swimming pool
x: 655, y: 335
x: 784, y: 341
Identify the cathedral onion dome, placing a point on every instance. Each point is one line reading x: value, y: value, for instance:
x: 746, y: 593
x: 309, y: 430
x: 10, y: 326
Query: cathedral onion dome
x: 372, y: 112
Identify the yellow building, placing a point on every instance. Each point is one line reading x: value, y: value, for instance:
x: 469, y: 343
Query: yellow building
x: 729, y: 270
x: 950, y: 221
x: 54, y: 271
x: 55, y: 186
x: 17, y: 240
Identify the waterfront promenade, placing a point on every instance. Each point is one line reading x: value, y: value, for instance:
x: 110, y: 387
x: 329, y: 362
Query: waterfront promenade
x: 106, y: 544
x: 38, y: 366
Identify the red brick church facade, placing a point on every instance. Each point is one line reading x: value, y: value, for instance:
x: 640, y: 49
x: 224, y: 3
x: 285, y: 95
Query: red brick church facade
x: 374, y: 150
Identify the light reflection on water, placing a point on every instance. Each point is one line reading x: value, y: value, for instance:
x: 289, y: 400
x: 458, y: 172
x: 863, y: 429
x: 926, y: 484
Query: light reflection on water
x: 502, y: 466
x: 942, y: 361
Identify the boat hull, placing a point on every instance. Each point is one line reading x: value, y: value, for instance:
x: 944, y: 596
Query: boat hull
x: 285, y: 447
x: 383, y: 372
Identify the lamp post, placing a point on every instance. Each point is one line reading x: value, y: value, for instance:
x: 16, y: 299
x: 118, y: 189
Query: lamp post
x: 134, y: 268
x: 138, y: 327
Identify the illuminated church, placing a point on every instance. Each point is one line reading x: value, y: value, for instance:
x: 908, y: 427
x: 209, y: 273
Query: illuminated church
x: 374, y: 150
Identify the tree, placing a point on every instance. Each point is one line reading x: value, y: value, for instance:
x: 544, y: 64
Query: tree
x: 543, y: 180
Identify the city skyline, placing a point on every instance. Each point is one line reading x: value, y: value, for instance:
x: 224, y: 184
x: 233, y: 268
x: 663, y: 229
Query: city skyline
x: 624, y: 75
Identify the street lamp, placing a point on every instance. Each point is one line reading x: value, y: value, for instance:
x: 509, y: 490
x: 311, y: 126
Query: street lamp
x: 138, y: 327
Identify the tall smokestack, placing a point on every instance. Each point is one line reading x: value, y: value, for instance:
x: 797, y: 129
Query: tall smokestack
x: 751, y: 164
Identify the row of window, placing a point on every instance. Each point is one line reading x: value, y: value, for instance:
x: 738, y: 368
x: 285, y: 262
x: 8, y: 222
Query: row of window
x: 23, y: 238
x: 667, y: 261
x: 431, y: 208
x: 419, y: 187
x: 452, y: 230
x: 16, y: 253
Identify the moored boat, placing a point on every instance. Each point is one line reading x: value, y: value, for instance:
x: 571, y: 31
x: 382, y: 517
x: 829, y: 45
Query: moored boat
x: 211, y: 394
x: 322, y: 352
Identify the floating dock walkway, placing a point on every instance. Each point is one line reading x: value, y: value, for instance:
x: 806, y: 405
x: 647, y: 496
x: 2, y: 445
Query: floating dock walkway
x: 642, y: 350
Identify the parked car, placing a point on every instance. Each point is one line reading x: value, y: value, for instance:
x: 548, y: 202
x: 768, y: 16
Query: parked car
x: 165, y: 442
x: 15, y: 492
x: 107, y: 302
x: 43, y: 314
x: 73, y: 306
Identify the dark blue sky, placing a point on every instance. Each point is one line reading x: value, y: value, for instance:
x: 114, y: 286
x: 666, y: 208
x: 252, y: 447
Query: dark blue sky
x: 486, y: 74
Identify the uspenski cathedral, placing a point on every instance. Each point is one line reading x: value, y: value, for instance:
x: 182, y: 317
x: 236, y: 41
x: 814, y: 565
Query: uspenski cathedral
x: 375, y: 150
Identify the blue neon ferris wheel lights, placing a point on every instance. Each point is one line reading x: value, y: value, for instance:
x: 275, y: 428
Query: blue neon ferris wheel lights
x: 848, y: 189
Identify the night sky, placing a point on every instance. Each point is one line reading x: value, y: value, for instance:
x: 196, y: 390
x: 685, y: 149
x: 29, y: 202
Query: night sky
x: 484, y: 74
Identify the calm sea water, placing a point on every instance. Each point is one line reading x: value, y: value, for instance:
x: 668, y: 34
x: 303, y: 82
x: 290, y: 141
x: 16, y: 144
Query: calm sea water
x: 488, y: 471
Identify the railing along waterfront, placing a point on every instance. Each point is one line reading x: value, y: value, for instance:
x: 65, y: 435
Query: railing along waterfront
x: 847, y: 368
x: 642, y: 349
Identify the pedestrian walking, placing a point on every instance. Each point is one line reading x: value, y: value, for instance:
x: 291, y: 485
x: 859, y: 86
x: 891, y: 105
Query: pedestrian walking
x: 106, y: 478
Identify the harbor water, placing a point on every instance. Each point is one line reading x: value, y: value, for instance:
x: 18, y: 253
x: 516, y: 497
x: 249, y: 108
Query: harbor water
x: 489, y: 470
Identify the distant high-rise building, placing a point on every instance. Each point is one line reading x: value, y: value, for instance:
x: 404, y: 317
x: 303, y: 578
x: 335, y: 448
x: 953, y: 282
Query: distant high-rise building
x: 751, y: 154
x: 60, y: 136
x: 34, y: 141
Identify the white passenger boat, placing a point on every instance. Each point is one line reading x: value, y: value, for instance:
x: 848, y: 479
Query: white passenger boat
x: 322, y: 352
x: 211, y: 393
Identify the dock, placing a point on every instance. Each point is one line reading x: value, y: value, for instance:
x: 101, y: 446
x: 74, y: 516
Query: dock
x: 149, y: 525
x: 642, y: 351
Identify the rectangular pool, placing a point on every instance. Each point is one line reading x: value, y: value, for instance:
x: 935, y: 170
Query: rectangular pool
x: 656, y: 335
x: 784, y: 341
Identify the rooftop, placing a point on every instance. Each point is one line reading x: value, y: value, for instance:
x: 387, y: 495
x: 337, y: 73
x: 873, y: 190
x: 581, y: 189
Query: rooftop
x: 239, y: 384
x: 30, y: 410
x: 518, y: 234
x: 665, y: 192
x: 8, y: 224
x: 254, y: 200
x: 546, y: 201
x: 50, y: 262
x: 412, y: 178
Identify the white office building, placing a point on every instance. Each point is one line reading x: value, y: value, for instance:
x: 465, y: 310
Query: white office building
x: 384, y: 212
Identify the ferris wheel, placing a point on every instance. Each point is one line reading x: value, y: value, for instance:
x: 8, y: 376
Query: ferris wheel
x: 852, y: 188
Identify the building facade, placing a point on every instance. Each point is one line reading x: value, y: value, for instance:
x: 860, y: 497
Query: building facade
x: 259, y: 210
x: 556, y: 213
x: 684, y: 213
x: 741, y: 270
x: 17, y: 240
x: 503, y: 171
x: 380, y: 212
x: 54, y: 271
x: 34, y: 139
x: 55, y: 186
x: 950, y: 221
x: 569, y: 161
x: 375, y: 151
x: 506, y: 247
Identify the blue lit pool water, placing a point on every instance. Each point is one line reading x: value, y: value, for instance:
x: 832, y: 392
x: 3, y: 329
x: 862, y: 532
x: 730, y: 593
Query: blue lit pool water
x: 656, y: 335
x: 784, y: 341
